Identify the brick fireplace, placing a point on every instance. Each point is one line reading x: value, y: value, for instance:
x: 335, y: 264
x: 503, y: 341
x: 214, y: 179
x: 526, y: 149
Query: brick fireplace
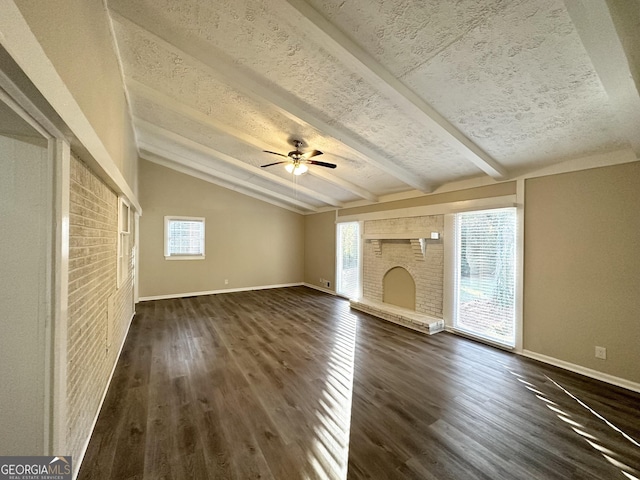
x: 408, y: 243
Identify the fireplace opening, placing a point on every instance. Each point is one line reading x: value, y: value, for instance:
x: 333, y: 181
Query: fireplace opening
x: 399, y: 288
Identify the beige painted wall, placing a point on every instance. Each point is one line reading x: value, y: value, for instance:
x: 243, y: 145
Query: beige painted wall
x: 76, y: 37
x: 582, y: 268
x: 320, y: 249
x: 249, y: 242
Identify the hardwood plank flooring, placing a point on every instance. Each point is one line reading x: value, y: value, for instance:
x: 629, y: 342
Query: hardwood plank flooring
x: 292, y: 384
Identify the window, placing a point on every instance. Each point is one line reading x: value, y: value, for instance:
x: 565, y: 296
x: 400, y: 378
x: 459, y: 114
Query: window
x: 348, y: 271
x: 183, y: 238
x: 485, y: 281
x: 122, y: 270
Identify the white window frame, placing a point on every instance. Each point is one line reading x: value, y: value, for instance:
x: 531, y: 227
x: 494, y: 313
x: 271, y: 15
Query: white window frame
x: 517, y: 201
x: 167, y: 254
x: 122, y: 270
x: 455, y: 246
x: 338, y: 256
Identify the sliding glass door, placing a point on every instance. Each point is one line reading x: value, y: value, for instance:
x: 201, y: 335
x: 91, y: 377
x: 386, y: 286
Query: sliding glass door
x: 485, y: 281
x: 348, y: 259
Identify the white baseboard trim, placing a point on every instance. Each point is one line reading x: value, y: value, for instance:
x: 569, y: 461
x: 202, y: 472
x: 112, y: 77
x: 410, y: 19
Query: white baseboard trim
x: 587, y: 372
x: 104, y: 396
x: 322, y: 289
x: 215, y: 292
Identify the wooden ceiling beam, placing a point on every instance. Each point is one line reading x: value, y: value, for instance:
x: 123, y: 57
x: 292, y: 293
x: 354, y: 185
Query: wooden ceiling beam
x: 220, y: 66
x: 188, y: 148
x: 140, y: 90
x: 351, y: 54
x: 190, y: 167
x: 599, y: 36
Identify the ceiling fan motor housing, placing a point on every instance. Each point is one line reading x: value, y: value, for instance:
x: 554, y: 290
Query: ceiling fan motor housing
x: 298, y: 158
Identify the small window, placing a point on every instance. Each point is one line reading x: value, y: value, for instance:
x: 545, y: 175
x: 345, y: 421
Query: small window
x: 183, y: 238
x: 122, y: 270
x: 123, y: 215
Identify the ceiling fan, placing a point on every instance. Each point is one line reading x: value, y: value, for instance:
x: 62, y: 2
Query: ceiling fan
x: 297, y: 161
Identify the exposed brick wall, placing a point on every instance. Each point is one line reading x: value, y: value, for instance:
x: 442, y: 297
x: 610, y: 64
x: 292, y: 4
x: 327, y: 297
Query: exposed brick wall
x: 93, y: 240
x: 427, y: 272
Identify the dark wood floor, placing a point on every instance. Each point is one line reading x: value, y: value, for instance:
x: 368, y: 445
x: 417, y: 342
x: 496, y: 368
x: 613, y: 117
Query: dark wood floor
x: 292, y: 384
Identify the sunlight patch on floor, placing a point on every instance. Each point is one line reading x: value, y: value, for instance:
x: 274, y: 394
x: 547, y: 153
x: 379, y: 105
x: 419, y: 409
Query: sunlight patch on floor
x: 584, y: 405
x: 580, y: 429
x: 595, y: 443
x: 329, y: 456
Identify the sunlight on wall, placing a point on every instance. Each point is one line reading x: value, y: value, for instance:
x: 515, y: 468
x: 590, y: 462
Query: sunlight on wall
x: 329, y: 456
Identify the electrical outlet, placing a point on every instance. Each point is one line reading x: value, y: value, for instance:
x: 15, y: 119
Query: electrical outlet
x: 328, y: 284
x: 226, y: 281
x: 601, y: 352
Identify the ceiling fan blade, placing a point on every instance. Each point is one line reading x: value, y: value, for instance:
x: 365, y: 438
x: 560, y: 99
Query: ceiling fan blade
x: 311, y: 154
x: 275, y: 163
x: 321, y: 164
x: 275, y: 153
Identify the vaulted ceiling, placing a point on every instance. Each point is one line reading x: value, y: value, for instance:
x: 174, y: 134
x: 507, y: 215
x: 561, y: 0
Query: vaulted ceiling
x: 402, y: 95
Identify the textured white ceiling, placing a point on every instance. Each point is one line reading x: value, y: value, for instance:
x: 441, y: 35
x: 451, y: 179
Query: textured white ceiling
x: 510, y: 82
x: 526, y: 93
x: 404, y: 34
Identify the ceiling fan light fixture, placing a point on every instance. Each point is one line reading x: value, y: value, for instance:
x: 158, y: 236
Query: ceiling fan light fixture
x: 296, y: 169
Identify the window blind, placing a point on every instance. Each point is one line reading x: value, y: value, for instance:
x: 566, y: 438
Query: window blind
x: 186, y: 237
x: 485, y: 274
x: 348, y: 259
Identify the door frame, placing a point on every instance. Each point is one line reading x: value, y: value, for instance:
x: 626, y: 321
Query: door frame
x: 57, y: 264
